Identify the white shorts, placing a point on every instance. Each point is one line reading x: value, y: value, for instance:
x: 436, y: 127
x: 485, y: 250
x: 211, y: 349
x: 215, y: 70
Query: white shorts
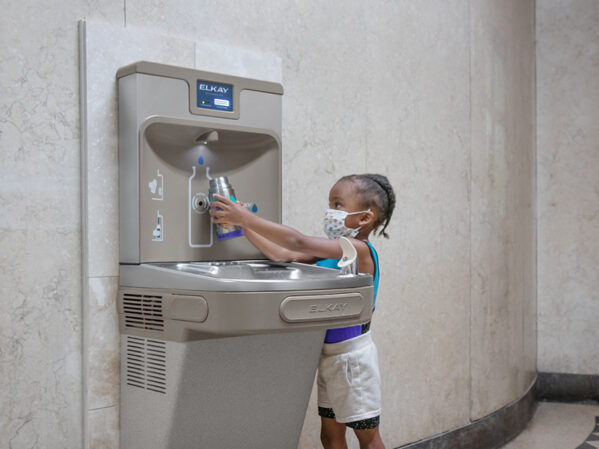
x: 349, y: 380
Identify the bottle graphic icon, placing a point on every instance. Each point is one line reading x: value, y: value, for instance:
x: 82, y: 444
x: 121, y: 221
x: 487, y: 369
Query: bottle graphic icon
x: 197, y: 219
x: 156, y: 187
x: 158, y: 232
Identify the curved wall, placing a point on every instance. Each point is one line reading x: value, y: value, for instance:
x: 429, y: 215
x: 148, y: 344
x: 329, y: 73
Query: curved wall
x: 503, y: 215
x: 568, y: 162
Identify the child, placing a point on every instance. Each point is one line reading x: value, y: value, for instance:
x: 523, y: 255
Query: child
x: 348, y: 376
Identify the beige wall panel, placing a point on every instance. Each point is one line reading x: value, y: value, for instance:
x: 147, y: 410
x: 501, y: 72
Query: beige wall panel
x: 104, y: 428
x: 503, y: 212
x: 103, y: 352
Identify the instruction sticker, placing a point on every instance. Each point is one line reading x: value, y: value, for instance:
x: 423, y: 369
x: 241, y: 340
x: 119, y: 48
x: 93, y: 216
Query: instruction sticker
x: 158, y: 233
x: 156, y: 187
x: 215, y: 96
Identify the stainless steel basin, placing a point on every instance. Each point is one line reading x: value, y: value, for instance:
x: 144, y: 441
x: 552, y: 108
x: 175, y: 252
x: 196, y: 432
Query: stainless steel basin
x: 240, y: 275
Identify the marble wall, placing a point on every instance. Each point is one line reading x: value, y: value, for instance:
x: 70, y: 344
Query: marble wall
x: 418, y: 134
x: 438, y: 96
x: 568, y: 185
x: 503, y: 225
x: 40, y: 239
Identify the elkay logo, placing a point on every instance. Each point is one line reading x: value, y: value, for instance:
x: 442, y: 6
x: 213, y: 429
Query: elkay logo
x: 333, y: 307
x: 213, y: 89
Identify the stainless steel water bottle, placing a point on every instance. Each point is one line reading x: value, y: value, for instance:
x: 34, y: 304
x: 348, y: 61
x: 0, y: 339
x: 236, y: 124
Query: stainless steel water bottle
x: 222, y: 187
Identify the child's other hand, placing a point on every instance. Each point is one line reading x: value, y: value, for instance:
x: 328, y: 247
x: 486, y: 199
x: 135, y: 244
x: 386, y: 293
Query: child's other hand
x: 225, y: 211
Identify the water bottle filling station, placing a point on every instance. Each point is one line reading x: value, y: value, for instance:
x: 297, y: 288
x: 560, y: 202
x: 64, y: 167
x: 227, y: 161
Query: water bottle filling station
x: 219, y: 346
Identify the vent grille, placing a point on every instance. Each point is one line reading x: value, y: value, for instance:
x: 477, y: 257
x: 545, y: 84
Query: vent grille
x: 143, y: 312
x: 146, y: 364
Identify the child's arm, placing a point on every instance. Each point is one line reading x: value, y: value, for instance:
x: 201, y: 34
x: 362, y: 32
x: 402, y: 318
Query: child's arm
x: 274, y: 251
x: 226, y: 211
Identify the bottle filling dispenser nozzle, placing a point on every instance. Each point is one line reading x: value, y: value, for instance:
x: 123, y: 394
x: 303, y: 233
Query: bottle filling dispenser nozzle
x: 207, y: 137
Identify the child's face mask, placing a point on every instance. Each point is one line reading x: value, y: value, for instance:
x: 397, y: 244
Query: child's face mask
x: 334, y: 224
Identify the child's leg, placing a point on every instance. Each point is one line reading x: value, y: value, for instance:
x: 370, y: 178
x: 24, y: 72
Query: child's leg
x: 369, y: 438
x: 332, y: 434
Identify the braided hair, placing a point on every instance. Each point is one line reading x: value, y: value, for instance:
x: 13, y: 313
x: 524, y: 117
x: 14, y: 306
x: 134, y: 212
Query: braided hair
x: 375, y: 191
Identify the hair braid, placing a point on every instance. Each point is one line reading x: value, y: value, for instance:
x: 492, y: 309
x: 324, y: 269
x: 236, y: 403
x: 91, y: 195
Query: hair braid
x: 375, y: 190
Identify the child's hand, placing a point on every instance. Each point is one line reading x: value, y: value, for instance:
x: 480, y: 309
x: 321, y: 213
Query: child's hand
x: 225, y: 211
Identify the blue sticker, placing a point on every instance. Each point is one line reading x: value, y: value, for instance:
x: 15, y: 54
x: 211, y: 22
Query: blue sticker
x: 254, y: 208
x: 201, y: 160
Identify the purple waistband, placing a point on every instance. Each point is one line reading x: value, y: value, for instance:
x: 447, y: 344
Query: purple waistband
x: 342, y: 334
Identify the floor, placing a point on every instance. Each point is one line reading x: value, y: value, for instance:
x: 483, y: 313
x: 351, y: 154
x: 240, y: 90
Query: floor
x: 560, y: 426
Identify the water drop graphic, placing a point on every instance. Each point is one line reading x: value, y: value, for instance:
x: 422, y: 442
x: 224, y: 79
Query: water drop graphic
x: 201, y: 160
x: 254, y: 208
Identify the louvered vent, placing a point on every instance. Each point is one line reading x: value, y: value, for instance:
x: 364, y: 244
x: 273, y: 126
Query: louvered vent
x: 143, y: 312
x: 136, y: 362
x: 146, y: 364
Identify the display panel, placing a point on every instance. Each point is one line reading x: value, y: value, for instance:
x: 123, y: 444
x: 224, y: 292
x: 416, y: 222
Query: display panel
x: 215, y: 96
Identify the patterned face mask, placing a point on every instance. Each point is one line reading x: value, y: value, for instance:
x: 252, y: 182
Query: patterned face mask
x: 334, y: 224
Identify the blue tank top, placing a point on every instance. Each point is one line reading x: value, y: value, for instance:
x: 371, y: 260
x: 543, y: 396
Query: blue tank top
x: 345, y: 333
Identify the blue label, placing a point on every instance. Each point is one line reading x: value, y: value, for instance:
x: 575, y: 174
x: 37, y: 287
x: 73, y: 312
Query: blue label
x: 215, y: 96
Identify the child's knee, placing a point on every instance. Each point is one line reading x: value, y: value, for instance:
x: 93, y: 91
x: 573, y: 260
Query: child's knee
x: 332, y: 435
x: 369, y: 438
x: 332, y: 441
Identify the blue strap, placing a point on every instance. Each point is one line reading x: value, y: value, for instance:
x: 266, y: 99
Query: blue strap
x: 332, y: 263
x: 375, y: 281
x: 328, y: 263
